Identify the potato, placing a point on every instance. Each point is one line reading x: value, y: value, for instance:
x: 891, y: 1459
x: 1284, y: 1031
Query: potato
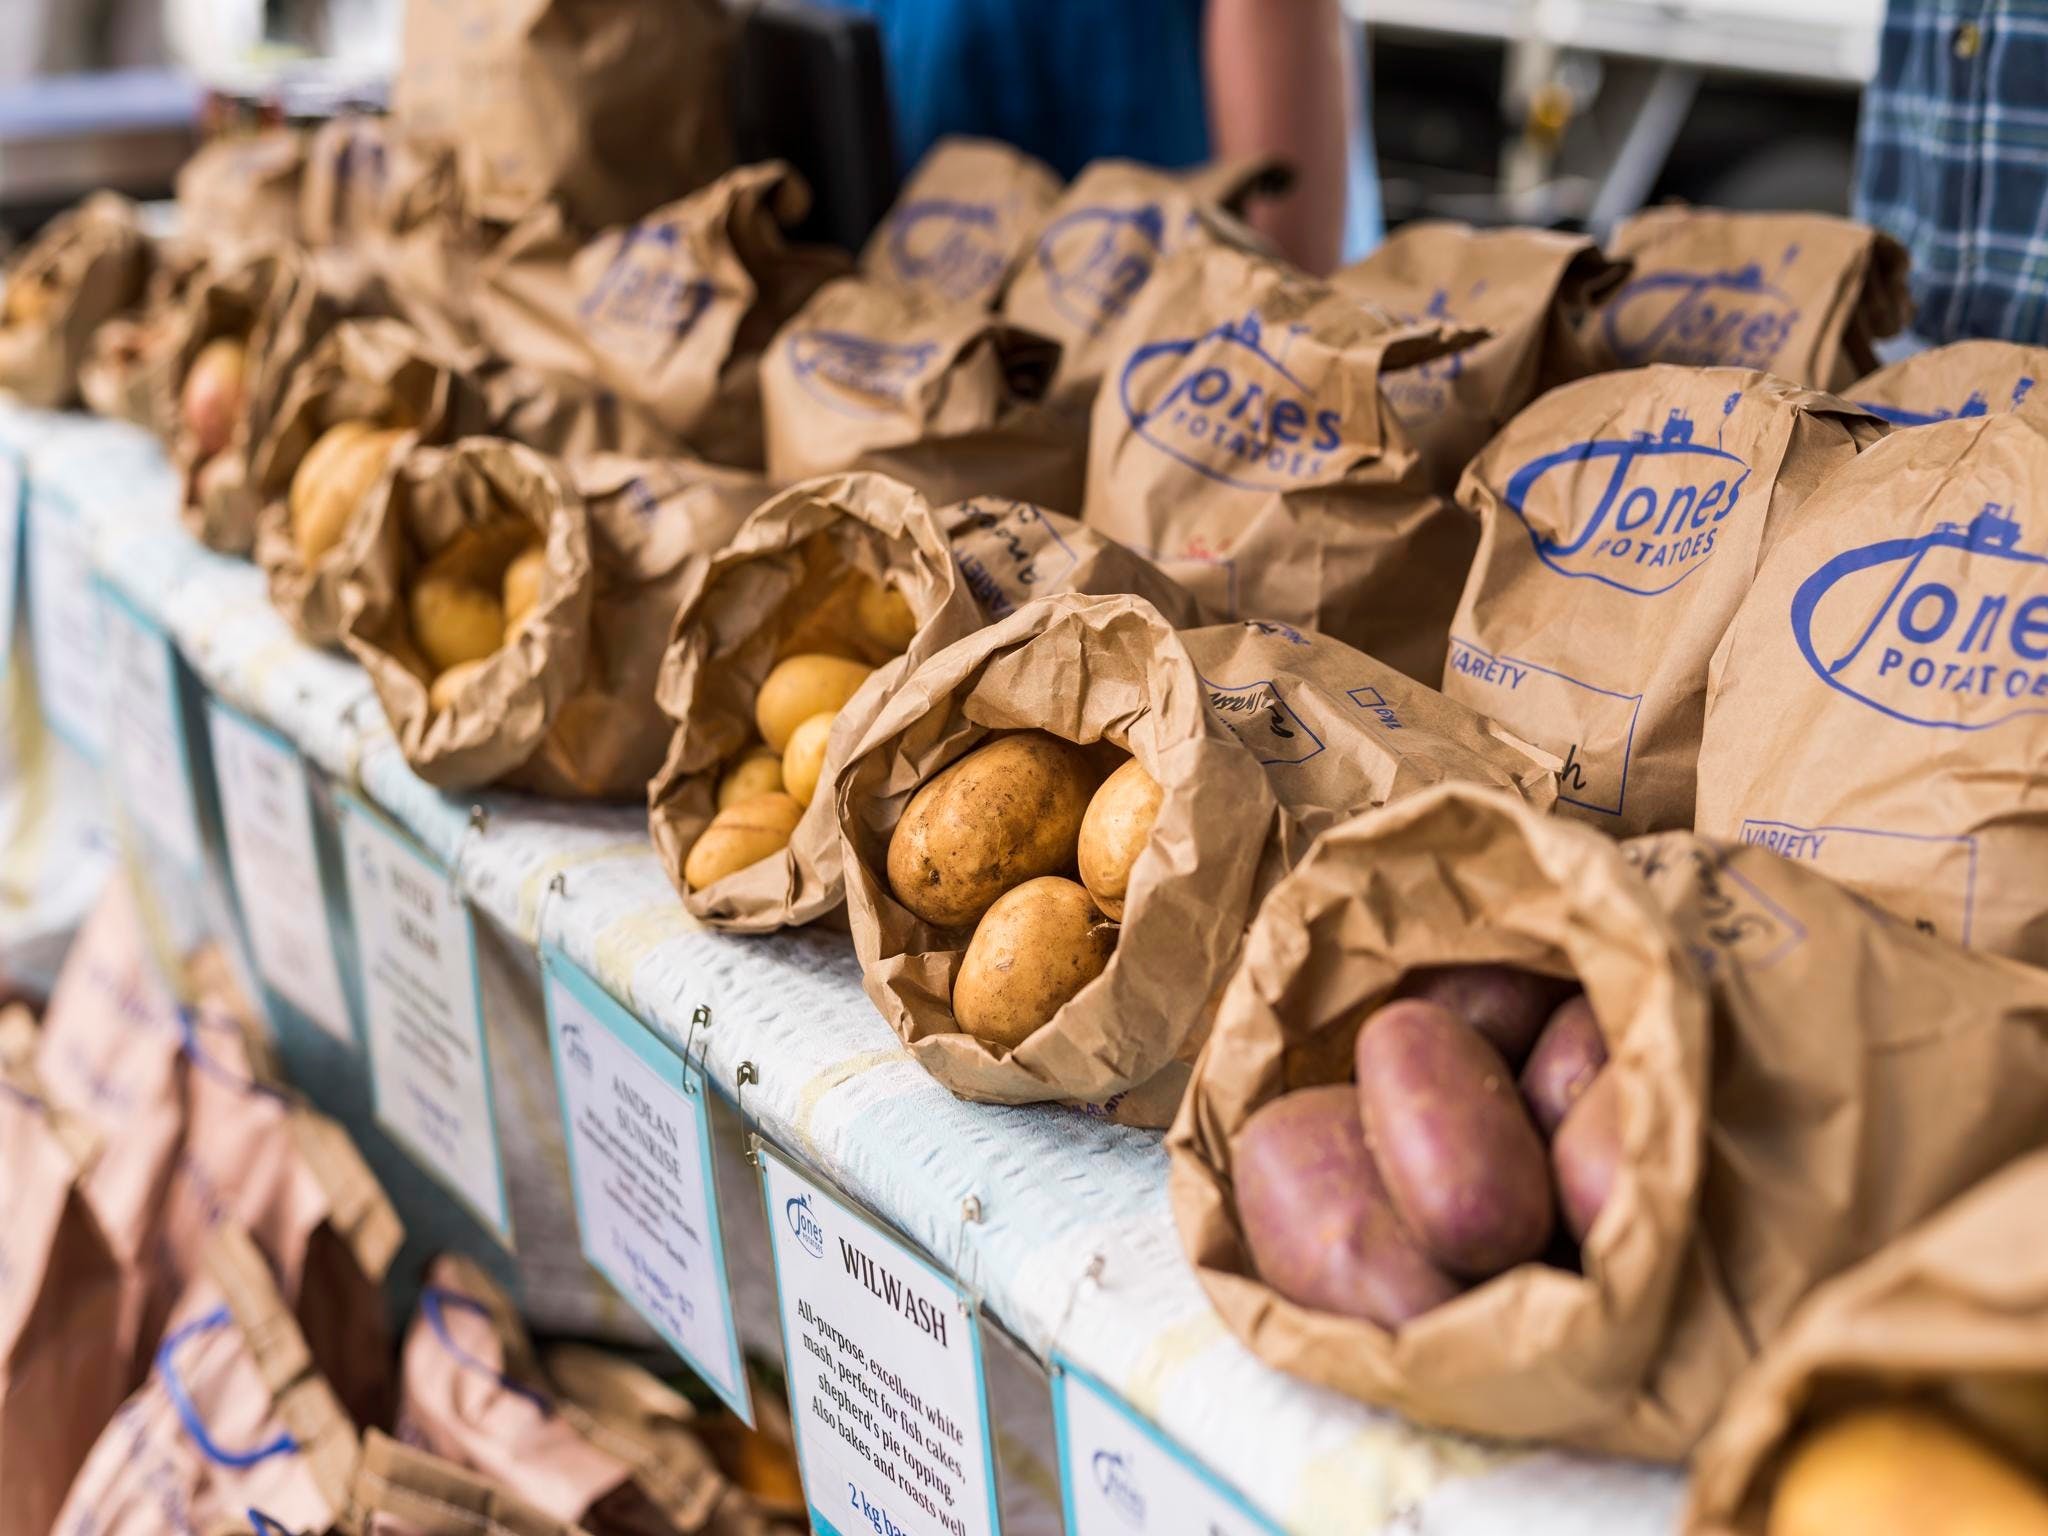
x: 1461, y: 1160
x: 453, y: 621
x: 1034, y: 948
x: 883, y: 614
x: 1316, y: 1215
x: 28, y: 300
x: 1586, y: 1154
x: 211, y: 402
x: 1899, y: 1470
x: 449, y: 685
x: 740, y: 835
x: 1007, y: 812
x: 522, y: 582
x: 1114, y: 832
x: 331, y: 482
x: 2010, y: 1407
x: 803, y: 760
x: 757, y: 773
x: 800, y: 687
x: 1568, y: 1054
x: 1506, y: 1004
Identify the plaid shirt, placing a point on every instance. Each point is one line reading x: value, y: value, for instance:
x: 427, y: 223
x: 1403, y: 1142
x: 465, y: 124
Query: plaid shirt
x: 1954, y: 162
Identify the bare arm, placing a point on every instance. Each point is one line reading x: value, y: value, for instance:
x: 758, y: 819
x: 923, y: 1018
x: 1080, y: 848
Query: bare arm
x: 1278, y: 84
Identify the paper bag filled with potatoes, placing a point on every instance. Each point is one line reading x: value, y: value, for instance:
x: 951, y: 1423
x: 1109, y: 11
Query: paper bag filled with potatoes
x: 510, y: 609
x: 86, y: 268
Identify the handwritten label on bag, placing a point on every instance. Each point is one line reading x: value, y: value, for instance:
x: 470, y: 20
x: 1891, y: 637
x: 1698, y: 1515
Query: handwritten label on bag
x: 267, y: 814
x: 886, y: 1383
x: 150, y: 762
x: 1120, y: 1476
x: 64, y: 625
x: 430, y: 1072
x: 637, y: 1127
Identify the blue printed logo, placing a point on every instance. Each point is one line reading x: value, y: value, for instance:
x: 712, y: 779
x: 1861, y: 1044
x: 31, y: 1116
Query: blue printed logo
x: 858, y: 375
x: 1734, y: 318
x: 803, y: 1225
x: 953, y: 247
x: 640, y: 291
x: 1118, y: 1481
x: 1946, y: 629
x: 1225, y: 405
x: 1973, y: 405
x: 1423, y: 390
x: 574, y: 1051
x: 1095, y: 260
x: 1638, y: 513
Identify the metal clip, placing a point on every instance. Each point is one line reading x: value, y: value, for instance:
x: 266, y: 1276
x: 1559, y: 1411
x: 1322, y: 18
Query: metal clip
x: 747, y: 1074
x: 1090, y: 1275
x: 479, y: 823
x: 558, y: 890
x: 700, y: 1018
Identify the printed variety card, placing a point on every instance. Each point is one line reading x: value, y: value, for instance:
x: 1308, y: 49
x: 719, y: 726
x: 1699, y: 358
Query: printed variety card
x: 637, y: 1126
x: 150, y: 764
x: 64, y: 625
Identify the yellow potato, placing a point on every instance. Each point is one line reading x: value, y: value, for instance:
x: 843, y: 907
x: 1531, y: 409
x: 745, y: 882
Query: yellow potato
x: 803, y: 760
x: 211, y: 402
x: 1032, y: 951
x: 449, y: 685
x: 1115, y: 831
x: 1007, y: 812
x: 758, y: 773
x: 331, y: 482
x: 800, y: 687
x: 28, y: 300
x: 522, y: 582
x: 740, y: 835
x: 884, y: 615
x: 453, y: 621
x: 1902, y: 1471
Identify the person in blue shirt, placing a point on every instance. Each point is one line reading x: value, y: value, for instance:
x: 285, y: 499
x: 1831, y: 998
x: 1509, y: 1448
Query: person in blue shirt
x: 1168, y: 82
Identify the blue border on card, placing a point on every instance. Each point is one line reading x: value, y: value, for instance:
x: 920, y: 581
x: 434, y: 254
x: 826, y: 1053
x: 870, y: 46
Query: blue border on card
x: 498, y: 1224
x: 17, y: 519
x: 1064, y: 1372
x: 277, y: 1001
x: 655, y: 1053
x: 110, y: 595
x: 819, y: 1524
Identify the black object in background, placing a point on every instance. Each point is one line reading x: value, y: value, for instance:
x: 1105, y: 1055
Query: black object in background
x: 808, y: 87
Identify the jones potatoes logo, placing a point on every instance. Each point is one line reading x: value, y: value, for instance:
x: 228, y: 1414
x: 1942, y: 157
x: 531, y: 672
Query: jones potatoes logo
x: 858, y: 375
x: 1095, y: 260
x: 1637, y: 513
x: 1973, y: 405
x: 1118, y: 1482
x: 1734, y: 317
x: 1948, y: 629
x: 956, y: 248
x: 1226, y: 406
x: 646, y: 289
x: 803, y: 1226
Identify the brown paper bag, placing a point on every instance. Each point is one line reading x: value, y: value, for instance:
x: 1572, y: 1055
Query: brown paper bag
x: 670, y: 313
x: 1461, y: 874
x: 1964, y: 378
x: 346, y: 181
x: 567, y: 418
x: 605, y: 107
x: 245, y: 189
x: 124, y: 372
x: 1243, y: 442
x: 1010, y: 552
x: 1339, y: 732
x: 772, y: 592
x: 566, y: 707
x: 1800, y: 295
x: 1962, y: 1299
x: 1621, y: 521
x: 83, y: 270
x: 234, y: 1417
x: 1879, y: 708
x: 427, y: 249
x: 62, y: 1370
x: 1096, y: 248
x: 1093, y: 670
x: 940, y: 394
x: 379, y: 372
x: 961, y: 220
x: 400, y: 1491
x: 1865, y: 1075
x: 1529, y: 289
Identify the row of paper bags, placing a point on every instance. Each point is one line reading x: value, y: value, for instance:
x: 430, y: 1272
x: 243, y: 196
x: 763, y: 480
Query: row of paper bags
x: 192, y: 1312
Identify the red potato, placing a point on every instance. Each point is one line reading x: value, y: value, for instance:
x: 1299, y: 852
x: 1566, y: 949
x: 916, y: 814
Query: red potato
x: 1586, y: 1154
x: 1316, y: 1216
x: 212, y: 399
x: 1506, y: 1004
x: 1458, y: 1153
x: 1568, y: 1056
